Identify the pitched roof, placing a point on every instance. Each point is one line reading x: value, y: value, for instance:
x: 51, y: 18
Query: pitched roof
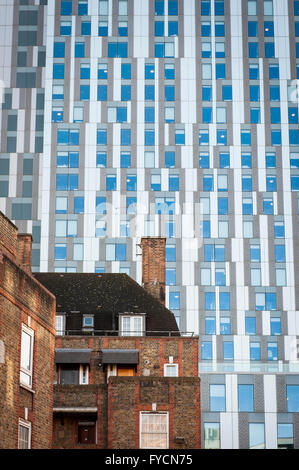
x: 103, y: 294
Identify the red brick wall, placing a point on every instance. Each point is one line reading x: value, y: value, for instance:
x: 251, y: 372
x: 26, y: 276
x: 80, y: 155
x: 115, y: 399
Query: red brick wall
x: 153, y: 266
x: 24, y: 301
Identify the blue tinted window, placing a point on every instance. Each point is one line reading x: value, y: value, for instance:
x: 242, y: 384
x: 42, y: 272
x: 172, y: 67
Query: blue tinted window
x: 270, y: 301
x: 226, y: 92
x: 205, y: 229
x: 103, y: 29
x: 101, y: 205
x: 172, y: 7
x: 149, y: 92
x: 206, y: 29
x: 294, y: 183
x: 174, y: 300
x: 274, y: 93
x: 245, y: 398
x: 247, y: 206
x: 252, y: 28
x: 294, y: 137
x: 204, y: 160
x: 170, y: 277
x: 270, y: 160
x: 279, y: 230
x: 254, y: 93
x: 58, y: 71
x: 79, y: 49
x: 250, y: 326
x: 210, y: 301
x: 208, y: 183
x: 159, y: 7
x: 222, y: 137
x: 59, y: 48
x: 275, y: 137
x: 268, y: 28
x: 255, y: 115
x: 119, y: 49
x: 179, y: 137
x: 159, y: 49
x: 275, y: 324
x: 131, y: 182
x: 83, y: 8
x: 228, y: 350
x: 246, y: 183
x: 206, y: 93
x: 85, y: 71
x: 102, y: 92
x: 159, y: 28
x: 86, y: 28
x: 217, y: 398
x: 246, y: 160
x: 268, y: 206
x: 205, y: 8
x: 280, y: 256
x: 253, y: 71
x: 78, y: 205
x: 125, y: 160
x: 169, y: 93
x: 253, y: 49
x: 125, y: 93
x: 220, y: 278
x: 170, y: 253
x: 219, y: 8
x: 123, y: 28
x: 255, y: 253
x: 269, y: 50
x: 57, y: 115
x: 245, y: 137
x: 172, y: 28
x: 293, y: 397
x: 102, y: 137
x: 120, y: 252
x: 84, y: 92
x: 274, y: 71
x: 275, y: 115
x: 169, y: 159
x: 126, y: 71
x: 174, y: 183
x: 60, y: 251
x: 149, y: 137
x: 222, y: 205
x: 101, y: 159
x: 209, y: 252
x: 207, y: 115
x: 255, y: 351
x: 206, y: 350
x: 131, y: 205
x: 225, y: 326
x: 297, y: 50
x: 125, y: 137
x: 149, y: 71
x: 272, y: 350
x: 111, y: 182
x: 224, y: 301
x: 210, y: 326
x: 220, y: 71
x: 271, y: 183
x: 66, y: 8
x: 293, y: 115
x: 219, y: 29
x: 149, y: 114
x: 296, y: 8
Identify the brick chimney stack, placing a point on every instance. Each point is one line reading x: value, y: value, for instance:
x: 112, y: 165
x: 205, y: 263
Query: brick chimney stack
x: 153, y: 266
x: 25, y: 250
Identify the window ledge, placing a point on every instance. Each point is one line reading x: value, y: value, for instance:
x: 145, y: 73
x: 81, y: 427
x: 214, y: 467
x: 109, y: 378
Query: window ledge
x: 27, y: 388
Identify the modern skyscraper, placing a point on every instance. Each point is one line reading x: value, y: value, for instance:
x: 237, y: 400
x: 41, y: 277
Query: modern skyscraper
x: 175, y: 118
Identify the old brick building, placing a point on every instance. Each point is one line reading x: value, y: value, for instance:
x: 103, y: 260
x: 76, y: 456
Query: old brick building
x: 125, y: 376
x: 27, y: 341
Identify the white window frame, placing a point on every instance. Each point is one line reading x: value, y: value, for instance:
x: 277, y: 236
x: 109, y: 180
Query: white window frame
x: 27, y: 372
x: 131, y: 331
x: 84, y: 374
x: 88, y: 327
x: 144, y: 413
x: 173, y: 366
x: 60, y: 332
x: 27, y: 425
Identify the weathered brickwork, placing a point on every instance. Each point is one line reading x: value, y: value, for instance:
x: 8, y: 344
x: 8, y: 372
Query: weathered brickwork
x: 116, y: 403
x: 153, y: 266
x: 23, y: 301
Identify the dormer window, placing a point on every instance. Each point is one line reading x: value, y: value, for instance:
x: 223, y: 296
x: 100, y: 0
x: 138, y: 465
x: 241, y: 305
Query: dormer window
x: 131, y: 324
x: 88, y: 322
